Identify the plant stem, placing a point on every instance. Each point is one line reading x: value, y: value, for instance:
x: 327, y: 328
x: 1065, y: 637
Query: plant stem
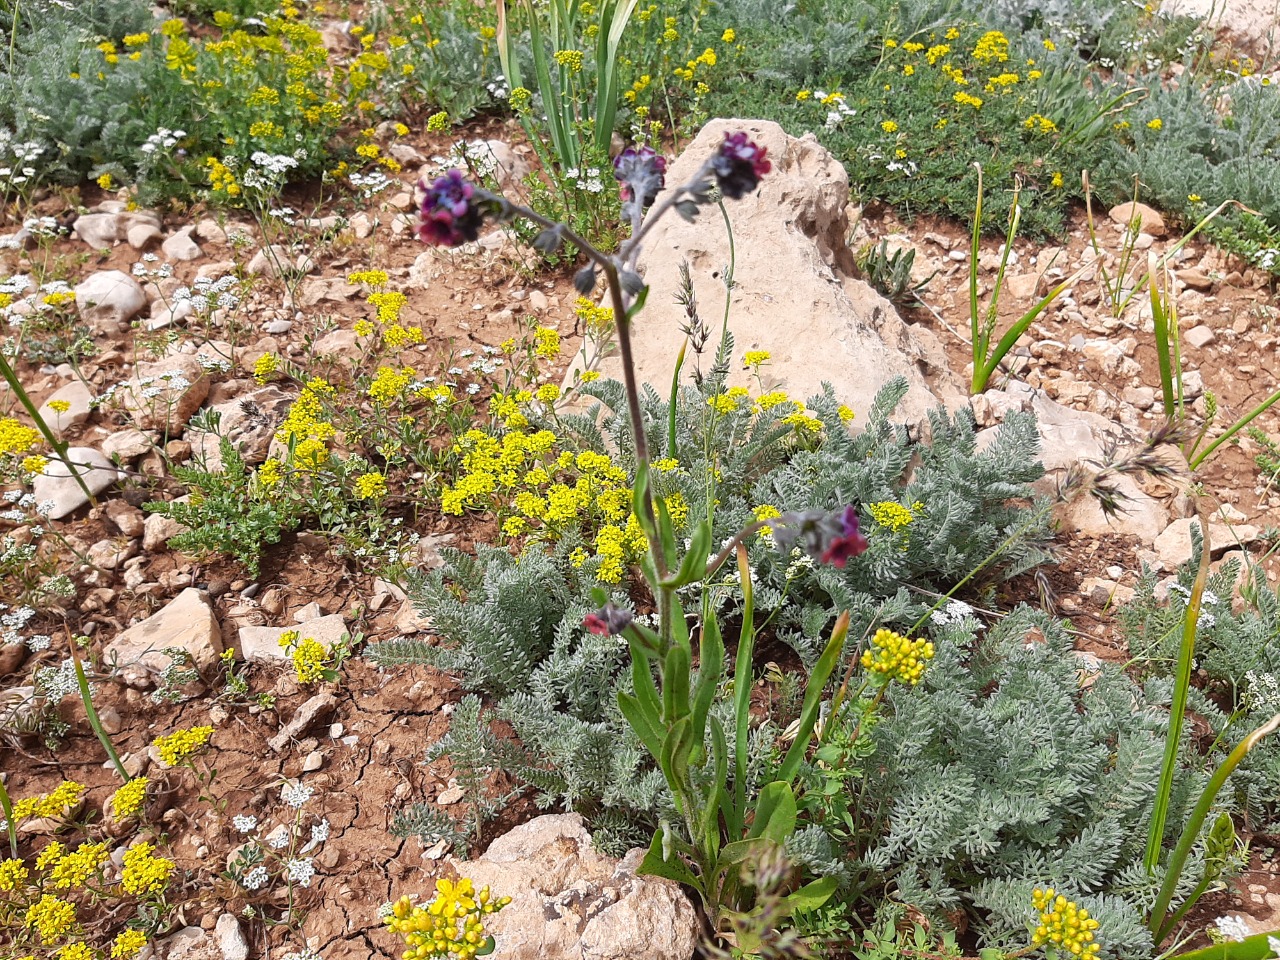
x: 1177, y: 709
x: 59, y: 446
x: 6, y: 806
x: 91, y: 712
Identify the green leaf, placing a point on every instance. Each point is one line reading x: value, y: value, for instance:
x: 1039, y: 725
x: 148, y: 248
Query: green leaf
x: 694, y: 564
x: 646, y: 726
x: 675, y: 684
x: 775, y: 816
x: 822, y: 671
x: 654, y: 865
x: 742, y: 850
x: 676, y: 747
x: 809, y: 897
x: 710, y: 669
x: 1252, y: 948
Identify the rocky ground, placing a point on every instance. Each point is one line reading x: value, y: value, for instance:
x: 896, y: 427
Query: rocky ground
x: 1091, y: 377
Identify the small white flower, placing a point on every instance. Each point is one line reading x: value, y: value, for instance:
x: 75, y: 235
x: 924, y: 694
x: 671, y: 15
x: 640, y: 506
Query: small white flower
x: 255, y: 879
x: 278, y: 840
x: 296, y: 794
x: 301, y: 871
x: 320, y: 832
x: 244, y: 823
x: 1233, y: 928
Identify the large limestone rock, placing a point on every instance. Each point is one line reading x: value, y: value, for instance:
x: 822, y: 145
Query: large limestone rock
x: 571, y: 903
x: 57, y: 491
x: 165, y: 394
x: 249, y: 422
x: 187, y: 622
x: 263, y: 643
x: 1073, y: 438
x: 79, y: 399
x: 1254, y: 22
x: 108, y: 300
x: 789, y: 296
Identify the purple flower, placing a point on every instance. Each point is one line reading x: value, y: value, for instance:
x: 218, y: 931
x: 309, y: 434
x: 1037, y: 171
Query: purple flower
x: 608, y: 621
x: 848, y: 542
x: 738, y: 165
x: 642, y: 173
x: 450, y: 214
x: 832, y: 538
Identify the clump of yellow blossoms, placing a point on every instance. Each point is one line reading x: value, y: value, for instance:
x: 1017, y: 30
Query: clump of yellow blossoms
x: 1063, y: 925
x: 53, y: 804
x: 755, y: 358
x: 992, y: 47
x: 894, y: 657
x: 73, y: 869
x: 265, y: 367
x: 182, y: 745
x: 451, y: 925
x: 143, y: 871
x: 50, y: 917
x: 371, y: 486
x: 309, y: 657
x: 891, y: 514
x: 16, y: 438
x: 128, y: 800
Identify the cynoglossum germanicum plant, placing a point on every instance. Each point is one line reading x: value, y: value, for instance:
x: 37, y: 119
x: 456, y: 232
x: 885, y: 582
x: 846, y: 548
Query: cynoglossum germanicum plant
x: 1005, y: 770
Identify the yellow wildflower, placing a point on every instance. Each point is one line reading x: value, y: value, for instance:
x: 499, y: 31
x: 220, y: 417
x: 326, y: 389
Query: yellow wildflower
x: 371, y: 486
x: 51, y: 918
x: 181, y: 745
x: 127, y: 944
x: 897, y: 658
x: 128, y: 800
x: 143, y: 872
x: 1064, y: 924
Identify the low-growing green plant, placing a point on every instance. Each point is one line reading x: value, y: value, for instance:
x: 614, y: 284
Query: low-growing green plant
x: 891, y: 273
x: 227, y: 511
x: 982, y: 323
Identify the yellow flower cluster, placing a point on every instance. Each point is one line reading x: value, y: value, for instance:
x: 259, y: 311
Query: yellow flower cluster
x: 16, y: 438
x: 182, y: 745
x: 371, y: 486
x: 894, y: 657
x: 75, y: 868
x: 967, y: 99
x: 265, y: 367
x: 450, y: 925
x: 60, y: 297
x: 309, y: 656
x: 53, y: 804
x: 1064, y: 924
x: 374, y: 279
x: 755, y: 358
x: 143, y: 871
x: 597, y: 320
x: 1001, y: 81
x: 13, y: 875
x: 705, y: 59
x: 1039, y: 123
x: 128, y: 800
x: 127, y: 944
x: 221, y: 179
x: 389, y: 383
x: 438, y: 122
x: 992, y: 47
x: 891, y: 515
x: 304, y: 427
x: 546, y: 342
x: 572, y: 60
x: 51, y: 918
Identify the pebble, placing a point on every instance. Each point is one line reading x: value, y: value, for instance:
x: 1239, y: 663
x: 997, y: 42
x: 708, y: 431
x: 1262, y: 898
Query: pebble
x: 313, y: 762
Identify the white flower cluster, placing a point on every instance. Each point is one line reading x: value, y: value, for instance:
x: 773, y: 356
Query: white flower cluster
x: 300, y: 871
x: 1233, y: 928
x: 588, y: 180
x: 1262, y: 692
x: 296, y: 795
x: 57, y: 682
x: 837, y: 110
x: 369, y: 184
x: 162, y: 139
x: 24, y: 154
x: 206, y: 292
x: 956, y: 611
x: 141, y: 268
x: 270, y: 170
